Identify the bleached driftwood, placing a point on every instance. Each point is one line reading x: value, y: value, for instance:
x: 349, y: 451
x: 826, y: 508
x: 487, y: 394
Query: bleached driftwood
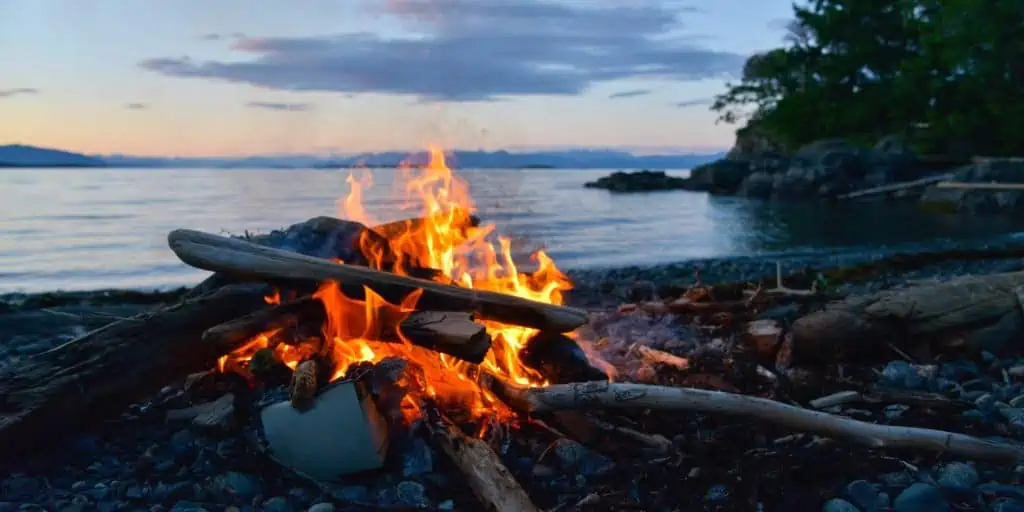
x: 622, y: 395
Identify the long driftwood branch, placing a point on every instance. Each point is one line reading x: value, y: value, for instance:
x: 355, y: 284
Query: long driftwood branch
x: 486, y: 476
x: 242, y: 258
x: 623, y: 395
x: 453, y: 333
x: 109, y: 368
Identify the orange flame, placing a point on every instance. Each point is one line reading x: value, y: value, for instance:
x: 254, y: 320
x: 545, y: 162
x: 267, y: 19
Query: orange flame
x: 444, y: 241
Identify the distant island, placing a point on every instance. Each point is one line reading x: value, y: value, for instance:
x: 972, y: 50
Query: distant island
x: 18, y: 155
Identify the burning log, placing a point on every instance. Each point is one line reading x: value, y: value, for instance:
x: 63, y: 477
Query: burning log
x: 487, y: 477
x: 109, y: 368
x: 453, y: 333
x: 459, y: 219
x: 246, y: 259
x: 619, y: 395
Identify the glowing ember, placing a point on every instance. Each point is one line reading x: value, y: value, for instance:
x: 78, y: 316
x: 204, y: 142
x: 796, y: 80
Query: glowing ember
x: 444, y: 241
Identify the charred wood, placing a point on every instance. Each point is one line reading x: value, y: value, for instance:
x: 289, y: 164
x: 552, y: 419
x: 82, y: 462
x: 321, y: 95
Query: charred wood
x: 453, y: 333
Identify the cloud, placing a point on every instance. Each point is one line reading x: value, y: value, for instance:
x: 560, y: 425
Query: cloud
x: 220, y: 37
x: 284, y: 107
x: 474, y: 50
x: 7, y: 93
x: 629, y: 94
x: 136, y: 106
x: 694, y: 103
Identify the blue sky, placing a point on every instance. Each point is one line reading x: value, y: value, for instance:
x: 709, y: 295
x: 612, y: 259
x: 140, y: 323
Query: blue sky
x: 235, y: 77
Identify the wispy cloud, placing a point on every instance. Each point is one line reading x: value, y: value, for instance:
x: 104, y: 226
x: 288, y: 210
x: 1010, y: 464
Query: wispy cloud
x: 284, y: 107
x: 213, y: 36
x: 7, y: 93
x: 136, y: 106
x: 629, y: 94
x: 476, y: 50
x: 694, y: 103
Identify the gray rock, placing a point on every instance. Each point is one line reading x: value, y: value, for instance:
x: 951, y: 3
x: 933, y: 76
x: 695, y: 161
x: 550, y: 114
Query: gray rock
x: 958, y: 475
x: 902, y: 374
x: 1006, y: 505
x: 238, y: 484
x: 864, y: 495
x: 717, y: 493
x: 405, y: 494
x: 322, y: 507
x: 574, y: 457
x: 758, y: 185
x: 278, y: 504
x: 921, y: 498
x: 838, y: 505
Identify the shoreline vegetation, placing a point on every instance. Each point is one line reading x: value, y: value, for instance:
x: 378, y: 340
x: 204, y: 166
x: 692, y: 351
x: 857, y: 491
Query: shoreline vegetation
x: 922, y: 98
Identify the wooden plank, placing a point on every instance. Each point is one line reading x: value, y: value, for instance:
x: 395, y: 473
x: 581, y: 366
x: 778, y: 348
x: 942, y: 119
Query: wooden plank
x: 896, y: 187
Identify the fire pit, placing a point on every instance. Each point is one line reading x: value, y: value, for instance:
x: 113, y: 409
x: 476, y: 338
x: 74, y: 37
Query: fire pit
x: 348, y: 352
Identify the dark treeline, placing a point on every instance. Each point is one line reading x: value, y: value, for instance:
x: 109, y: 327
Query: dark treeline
x: 949, y: 73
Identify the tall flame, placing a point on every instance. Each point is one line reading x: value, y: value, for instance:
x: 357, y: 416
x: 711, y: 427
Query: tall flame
x: 446, y: 240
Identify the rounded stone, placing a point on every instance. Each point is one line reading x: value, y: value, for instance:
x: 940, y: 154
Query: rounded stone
x: 958, y: 475
x: 921, y: 497
x: 322, y: 507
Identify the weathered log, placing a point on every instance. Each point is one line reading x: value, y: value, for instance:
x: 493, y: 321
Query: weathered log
x: 327, y: 238
x: 245, y: 259
x: 107, y: 369
x: 486, y: 476
x: 448, y: 332
x: 978, y: 312
x: 591, y: 395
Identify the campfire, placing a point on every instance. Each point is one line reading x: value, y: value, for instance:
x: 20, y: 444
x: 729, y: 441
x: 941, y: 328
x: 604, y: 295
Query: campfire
x: 337, y: 343
x: 445, y: 244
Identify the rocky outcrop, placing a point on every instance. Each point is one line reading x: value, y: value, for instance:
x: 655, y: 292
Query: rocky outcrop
x: 979, y: 201
x: 639, y: 181
x: 825, y: 169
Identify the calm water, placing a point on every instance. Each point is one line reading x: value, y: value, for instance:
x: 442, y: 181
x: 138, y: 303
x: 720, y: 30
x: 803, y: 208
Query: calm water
x: 97, y: 228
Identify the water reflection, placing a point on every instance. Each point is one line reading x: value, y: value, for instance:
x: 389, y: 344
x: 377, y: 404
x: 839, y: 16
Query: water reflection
x: 92, y: 228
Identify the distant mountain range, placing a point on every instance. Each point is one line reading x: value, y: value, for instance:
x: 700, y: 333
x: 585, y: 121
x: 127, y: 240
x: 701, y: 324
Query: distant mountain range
x: 17, y: 155
x: 28, y: 156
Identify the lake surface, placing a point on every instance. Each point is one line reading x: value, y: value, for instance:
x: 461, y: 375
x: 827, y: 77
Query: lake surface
x: 77, y: 229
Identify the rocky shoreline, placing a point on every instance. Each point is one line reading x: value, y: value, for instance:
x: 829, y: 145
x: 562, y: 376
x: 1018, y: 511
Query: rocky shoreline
x: 140, y: 461
x: 831, y: 169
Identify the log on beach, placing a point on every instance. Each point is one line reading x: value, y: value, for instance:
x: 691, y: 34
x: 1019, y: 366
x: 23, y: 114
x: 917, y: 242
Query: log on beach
x: 248, y: 260
x: 103, y: 371
x: 453, y: 333
x: 971, y: 312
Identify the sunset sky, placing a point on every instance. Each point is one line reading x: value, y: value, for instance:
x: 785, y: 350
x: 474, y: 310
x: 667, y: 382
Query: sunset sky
x: 237, y: 77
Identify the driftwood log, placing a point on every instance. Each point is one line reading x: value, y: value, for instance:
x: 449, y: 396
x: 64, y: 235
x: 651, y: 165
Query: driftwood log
x: 486, y: 476
x: 453, y: 333
x: 590, y: 395
x: 972, y: 312
x: 246, y: 259
x: 103, y: 371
